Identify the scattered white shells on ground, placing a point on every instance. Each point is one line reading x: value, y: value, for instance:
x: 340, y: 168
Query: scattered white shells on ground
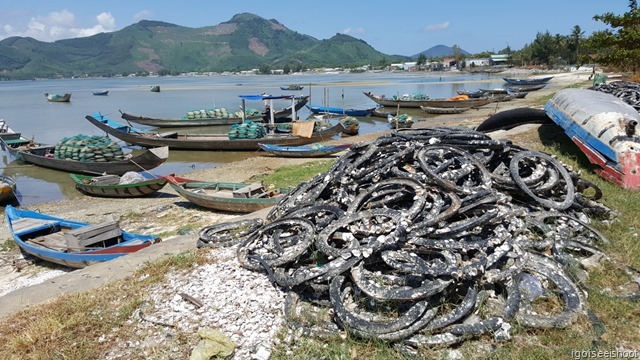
x: 242, y: 304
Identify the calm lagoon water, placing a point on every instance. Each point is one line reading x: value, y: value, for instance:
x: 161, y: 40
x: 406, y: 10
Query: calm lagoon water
x: 26, y: 110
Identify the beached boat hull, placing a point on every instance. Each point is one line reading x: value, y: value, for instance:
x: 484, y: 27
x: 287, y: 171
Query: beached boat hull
x: 456, y: 104
x: 43, y: 236
x: 604, y: 129
x: 441, y: 110
x: 219, y: 195
x: 205, y: 141
x: 538, y: 81
x: 40, y: 155
x: 86, y: 185
x: 393, y: 103
x: 7, y: 189
x: 315, y: 150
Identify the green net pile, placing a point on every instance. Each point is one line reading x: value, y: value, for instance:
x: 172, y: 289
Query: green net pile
x: 247, y: 130
x: 218, y: 113
x: 88, y: 148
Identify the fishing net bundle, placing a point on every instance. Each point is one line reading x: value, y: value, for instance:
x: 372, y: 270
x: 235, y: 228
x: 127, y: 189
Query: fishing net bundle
x: 247, y: 130
x: 88, y: 148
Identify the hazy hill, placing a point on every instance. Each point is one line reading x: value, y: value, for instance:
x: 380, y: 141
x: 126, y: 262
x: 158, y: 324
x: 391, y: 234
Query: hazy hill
x: 439, y: 51
x: 246, y: 41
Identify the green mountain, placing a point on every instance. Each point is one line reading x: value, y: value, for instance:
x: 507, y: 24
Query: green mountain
x: 245, y: 42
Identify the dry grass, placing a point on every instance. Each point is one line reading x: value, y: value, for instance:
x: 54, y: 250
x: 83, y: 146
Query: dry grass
x: 71, y: 326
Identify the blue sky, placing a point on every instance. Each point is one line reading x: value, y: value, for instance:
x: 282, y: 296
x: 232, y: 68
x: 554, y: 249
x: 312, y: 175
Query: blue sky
x: 392, y: 27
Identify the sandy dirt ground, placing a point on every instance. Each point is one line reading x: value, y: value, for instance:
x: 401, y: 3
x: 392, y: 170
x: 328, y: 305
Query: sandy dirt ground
x: 169, y: 212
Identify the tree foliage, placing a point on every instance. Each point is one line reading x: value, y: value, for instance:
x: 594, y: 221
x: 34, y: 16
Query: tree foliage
x: 618, y: 46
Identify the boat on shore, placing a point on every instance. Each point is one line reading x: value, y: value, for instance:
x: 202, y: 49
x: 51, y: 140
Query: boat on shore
x: 443, y: 110
x: 43, y: 155
x: 58, y: 98
x: 457, y: 102
x: 8, y: 189
x: 312, y: 150
x: 175, y: 140
x: 530, y: 81
x: 228, y: 197
x: 604, y: 127
x: 394, y: 101
x: 113, y: 186
x: 71, y: 243
x: 155, y: 88
x: 524, y: 88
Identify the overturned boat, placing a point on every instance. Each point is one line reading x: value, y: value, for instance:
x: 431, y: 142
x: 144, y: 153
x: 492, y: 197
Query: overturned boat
x: 604, y: 128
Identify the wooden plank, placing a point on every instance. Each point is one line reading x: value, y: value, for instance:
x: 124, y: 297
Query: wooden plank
x: 303, y: 129
x: 26, y: 225
x: 248, y: 191
x: 91, y: 234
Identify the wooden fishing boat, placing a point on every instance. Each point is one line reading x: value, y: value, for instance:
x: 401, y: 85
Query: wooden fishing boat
x: 11, y: 137
x: 340, y: 111
x: 532, y: 81
x: 58, y: 98
x: 524, y: 88
x: 312, y: 150
x: 457, y: 103
x: 394, y: 102
x: 351, y: 125
x: 294, y: 87
x: 604, y: 128
x: 155, y: 88
x: 182, y: 122
x: 112, y: 186
x: 101, y: 93
x: 42, y: 155
x: 7, y: 189
x: 383, y: 112
x: 71, y: 243
x: 442, y: 110
x: 402, y: 121
x: 471, y: 94
x: 175, y: 140
x: 230, y: 197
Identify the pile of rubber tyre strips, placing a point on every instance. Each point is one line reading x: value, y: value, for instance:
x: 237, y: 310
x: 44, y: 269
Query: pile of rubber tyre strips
x: 426, y: 238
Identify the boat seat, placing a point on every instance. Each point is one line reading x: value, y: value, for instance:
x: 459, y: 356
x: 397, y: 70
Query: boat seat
x: 169, y: 135
x: 29, y: 225
x: 88, y: 235
x: 248, y: 191
x: 106, y: 180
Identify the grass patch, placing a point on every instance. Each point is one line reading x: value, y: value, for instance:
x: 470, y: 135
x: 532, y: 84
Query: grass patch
x: 8, y: 245
x: 292, y: 175
x: 70, y: 327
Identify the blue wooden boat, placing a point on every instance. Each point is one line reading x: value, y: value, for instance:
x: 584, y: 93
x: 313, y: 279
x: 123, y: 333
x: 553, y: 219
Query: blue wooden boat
x: 604, y: 128
x: 341, y: 111
x: 312, y: 150
x: 101, y: 93
x: 71, y: 243
x: 512, y: 81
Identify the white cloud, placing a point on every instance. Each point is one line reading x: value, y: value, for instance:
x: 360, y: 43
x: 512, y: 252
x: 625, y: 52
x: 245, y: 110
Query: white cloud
x: 59, y: 25
x: 437, y: 27
x: 354, y: 31
x: 142, y: 15
x: 106, y: 23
